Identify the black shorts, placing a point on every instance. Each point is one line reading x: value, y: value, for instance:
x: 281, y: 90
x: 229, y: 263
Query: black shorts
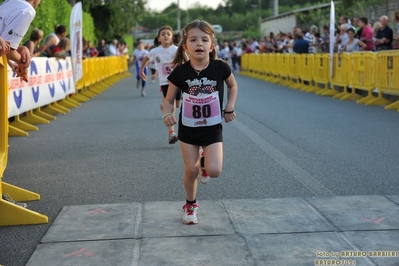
x: 200, y: 136
x: 164, y: 89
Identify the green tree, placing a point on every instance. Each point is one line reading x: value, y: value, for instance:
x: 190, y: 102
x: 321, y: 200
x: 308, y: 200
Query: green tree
x: 116, y: 18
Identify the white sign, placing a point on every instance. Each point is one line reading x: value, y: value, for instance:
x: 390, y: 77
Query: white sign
x: 50, y: 80
x: 76, y: 22
x: 332, y: 37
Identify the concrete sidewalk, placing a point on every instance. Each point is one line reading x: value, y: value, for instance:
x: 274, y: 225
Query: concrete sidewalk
x: 345, y: 230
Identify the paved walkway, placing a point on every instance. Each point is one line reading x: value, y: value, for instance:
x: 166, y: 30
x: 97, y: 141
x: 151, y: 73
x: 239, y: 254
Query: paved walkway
x: 304, y: 180
x: 351, y: 230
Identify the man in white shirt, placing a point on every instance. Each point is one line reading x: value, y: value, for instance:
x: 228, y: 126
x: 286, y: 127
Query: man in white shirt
x: 113, y: 48
x: 15, y: 18
x: 254, y: 44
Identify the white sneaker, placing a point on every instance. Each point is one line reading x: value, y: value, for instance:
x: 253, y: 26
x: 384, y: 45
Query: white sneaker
x: 142, y: 93
x: 137, y: 84
x: 190, y: 213
x: 203, y: 176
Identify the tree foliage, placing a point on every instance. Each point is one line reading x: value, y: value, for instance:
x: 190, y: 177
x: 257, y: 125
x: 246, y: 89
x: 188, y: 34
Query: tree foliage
x: 116, y: 18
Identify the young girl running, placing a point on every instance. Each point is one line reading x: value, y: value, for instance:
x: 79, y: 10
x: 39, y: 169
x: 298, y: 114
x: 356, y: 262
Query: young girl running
x: 201, y: 79
x: 163, y: 56
x: 138, y: 55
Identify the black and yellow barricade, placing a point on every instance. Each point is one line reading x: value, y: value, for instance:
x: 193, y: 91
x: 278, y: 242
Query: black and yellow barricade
x: 284, y: 69
x: 342, y: 72
x: 244, y: 64
x: 258, y: 66
x: 91, y: 68
x: 364, y: 65
x: 266, y: 67
x: 321, y: 72
x: 387, y: 76
x: 81, y: 94
x: 251, y: 65
x: 306, y: 72
x: 275, y: 66
x: 11, y: 213
x: 294, y: 66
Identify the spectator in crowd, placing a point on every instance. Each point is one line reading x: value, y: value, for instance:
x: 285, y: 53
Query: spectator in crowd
x: 244, y: 44
x: 307, y: 36
x: 289, y: 43
x: 35, y: 37
x: 326, y: 39
x: 102, y: 48
x: 356, y: 24
x: 313, y: 40
x: 301, y: 46
x: 237, y: 50
x: 376, y: 27
x: 16, y: 18
x: 265, y: 45
x: 353, y: 44
x: 53, y: 39
x: 254, y: 44
x: 384, y: 36
x: 318, y: 46
x: 367, y: 34
x: 113, y: 48
x: 345, y: 20
x: 395, y: 42
x: 343, y: 36
x: 62, y: 49
x: 91, y: 51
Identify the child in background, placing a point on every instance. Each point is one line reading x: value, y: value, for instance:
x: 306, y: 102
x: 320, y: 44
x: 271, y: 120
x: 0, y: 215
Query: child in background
x: 163, y: 56
x: 138, y: 56
x: 201, y: 77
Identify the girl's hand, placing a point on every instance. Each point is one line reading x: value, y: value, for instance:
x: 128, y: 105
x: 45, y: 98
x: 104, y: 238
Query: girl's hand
x: 169, y: 119
x: 228, y: 117
x: 143, y: 76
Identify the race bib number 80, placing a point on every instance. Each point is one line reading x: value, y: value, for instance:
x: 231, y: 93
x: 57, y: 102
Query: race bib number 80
x: 201, y: 111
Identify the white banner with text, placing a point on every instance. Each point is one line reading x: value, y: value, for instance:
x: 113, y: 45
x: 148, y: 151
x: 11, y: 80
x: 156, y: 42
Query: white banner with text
x: 50, y: 80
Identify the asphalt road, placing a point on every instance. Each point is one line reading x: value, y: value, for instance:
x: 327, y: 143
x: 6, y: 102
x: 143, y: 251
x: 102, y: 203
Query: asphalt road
x: 284, y: 143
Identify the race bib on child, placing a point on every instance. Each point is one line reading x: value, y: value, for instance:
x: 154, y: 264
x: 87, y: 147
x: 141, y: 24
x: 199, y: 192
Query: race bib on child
x: 201, y: 111
x: 167, y: 69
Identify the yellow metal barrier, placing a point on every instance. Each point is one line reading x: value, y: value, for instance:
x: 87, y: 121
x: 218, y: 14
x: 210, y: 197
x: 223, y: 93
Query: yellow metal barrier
x: 321, y: 72
x: 387, y: 77
x: 306, y: 72
x: 284, y: 69
x: 342, y: 73
x: 293, y: 74
x: 11, y: 213
x: 364, y: 65
x: 244, y: 64
x: 375, y: 73
x: 267, y: 70
x: 251, y: 65
x: 275, y: 65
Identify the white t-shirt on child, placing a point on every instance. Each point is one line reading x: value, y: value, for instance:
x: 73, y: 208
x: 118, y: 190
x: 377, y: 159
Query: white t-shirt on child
x: 139, y: 55
x: 163, y: 58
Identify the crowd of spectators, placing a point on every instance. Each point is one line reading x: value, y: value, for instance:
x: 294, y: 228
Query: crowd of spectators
x: 57, y: 44
x: 361, y: 35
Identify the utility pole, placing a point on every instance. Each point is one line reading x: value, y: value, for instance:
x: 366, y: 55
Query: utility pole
x: 187, y: 16
x: 178, y: 16
x: 260, y: 18
x: 275, y: 8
